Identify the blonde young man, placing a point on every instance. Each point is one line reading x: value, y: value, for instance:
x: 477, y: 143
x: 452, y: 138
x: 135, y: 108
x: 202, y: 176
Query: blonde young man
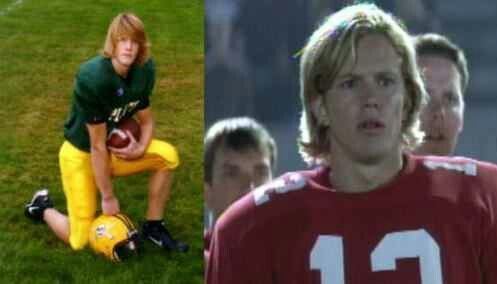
x: 108, y: 89
x: 445, y: 71
x: 372, y: 212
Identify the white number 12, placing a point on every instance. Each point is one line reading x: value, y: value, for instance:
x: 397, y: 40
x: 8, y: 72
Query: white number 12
x: 327, y: 255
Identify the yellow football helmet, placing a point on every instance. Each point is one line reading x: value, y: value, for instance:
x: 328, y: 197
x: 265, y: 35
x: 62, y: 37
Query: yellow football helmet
x: 114, y: 236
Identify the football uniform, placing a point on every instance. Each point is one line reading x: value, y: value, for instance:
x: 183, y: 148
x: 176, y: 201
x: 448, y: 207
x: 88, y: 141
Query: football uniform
x: 434, y: 223
x: 102, y: 96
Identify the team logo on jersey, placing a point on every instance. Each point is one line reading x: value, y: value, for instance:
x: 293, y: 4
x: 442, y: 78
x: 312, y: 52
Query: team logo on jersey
x: 120, y: 92
x: 118, y: 113
x: 294, y: 181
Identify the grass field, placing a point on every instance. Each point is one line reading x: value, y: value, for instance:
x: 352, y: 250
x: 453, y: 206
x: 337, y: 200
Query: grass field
x: 42, y: 44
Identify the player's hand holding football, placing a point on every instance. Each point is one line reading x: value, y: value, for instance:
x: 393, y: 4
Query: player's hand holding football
x: 134, y: 150
x: 110, y: 205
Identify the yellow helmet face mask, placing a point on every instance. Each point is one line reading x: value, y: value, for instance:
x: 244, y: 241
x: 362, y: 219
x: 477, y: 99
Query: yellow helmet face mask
x: 114, y: 236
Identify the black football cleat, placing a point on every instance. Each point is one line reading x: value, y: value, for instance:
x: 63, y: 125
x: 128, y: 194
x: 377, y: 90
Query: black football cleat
x: 160, y: 236
x: 34, y: 209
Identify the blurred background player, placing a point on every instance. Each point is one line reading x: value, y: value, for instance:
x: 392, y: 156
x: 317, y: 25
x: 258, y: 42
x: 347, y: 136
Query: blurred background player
x: 371, y: 213
x: 239, y: 155
x: 109, y: 88
x: 445, y: 72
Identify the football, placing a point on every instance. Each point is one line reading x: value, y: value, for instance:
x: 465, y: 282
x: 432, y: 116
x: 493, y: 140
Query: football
x: 118, y: 138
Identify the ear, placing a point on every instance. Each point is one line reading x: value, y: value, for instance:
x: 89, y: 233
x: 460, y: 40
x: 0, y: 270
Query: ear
x: 463, y: 106
x: 406, y: 108
x: 319, y: 111
x: 208, y: 195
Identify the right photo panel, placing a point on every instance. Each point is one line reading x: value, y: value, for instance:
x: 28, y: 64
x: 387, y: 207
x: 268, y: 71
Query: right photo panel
x: 350, y: 142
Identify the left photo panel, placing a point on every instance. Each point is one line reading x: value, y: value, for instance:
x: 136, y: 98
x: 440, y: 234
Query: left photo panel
x: 101, y: 142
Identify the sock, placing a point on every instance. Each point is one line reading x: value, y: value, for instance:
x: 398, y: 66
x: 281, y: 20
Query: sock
x: 153, y: 223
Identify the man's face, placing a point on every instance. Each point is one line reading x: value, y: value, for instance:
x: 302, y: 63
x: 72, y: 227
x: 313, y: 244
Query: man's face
x: 365, y: 103
x: 126, y: 51
x: 234, y: 173
x: 442, y: 118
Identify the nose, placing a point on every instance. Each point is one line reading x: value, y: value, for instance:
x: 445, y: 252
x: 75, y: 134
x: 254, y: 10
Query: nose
x: 437, y: 110
x: 248, y: 183
x: 252, y: 185
x: 128, y: 43
x: 371, y: 102
x: 371, y: 96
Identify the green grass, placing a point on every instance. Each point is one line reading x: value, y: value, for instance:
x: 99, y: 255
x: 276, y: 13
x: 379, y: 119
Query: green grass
x: 42, y: 44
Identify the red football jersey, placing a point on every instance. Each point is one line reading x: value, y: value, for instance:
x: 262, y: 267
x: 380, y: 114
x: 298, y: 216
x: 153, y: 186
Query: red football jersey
x: 434, y: 223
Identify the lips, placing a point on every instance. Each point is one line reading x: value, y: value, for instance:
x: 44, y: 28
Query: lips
x: 371, y: 124
x: 434, y: 133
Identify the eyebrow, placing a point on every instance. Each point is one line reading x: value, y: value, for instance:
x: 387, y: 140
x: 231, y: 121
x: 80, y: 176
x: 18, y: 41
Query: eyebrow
x: 451, y: 94
x: 390, y: 72
x: 347, y: 76
x: 262, y: 166
x: 229, y: 165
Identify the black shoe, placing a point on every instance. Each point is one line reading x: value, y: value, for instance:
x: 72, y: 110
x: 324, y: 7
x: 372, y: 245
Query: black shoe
x: 40, y: 202
x: 160, y: 236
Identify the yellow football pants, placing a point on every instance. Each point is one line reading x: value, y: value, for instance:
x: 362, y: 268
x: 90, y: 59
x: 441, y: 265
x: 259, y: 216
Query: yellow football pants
x: 80, y: 188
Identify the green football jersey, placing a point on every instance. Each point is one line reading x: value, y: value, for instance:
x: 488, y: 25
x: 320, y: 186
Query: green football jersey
x: 101, y: 95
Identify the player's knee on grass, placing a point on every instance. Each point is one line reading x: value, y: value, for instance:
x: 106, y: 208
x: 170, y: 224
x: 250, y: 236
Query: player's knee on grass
x: 80, y: 230
x: 82, y: 214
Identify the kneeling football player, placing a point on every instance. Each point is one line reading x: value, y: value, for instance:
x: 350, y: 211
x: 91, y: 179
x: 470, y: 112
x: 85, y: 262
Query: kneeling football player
x: 108, y: 89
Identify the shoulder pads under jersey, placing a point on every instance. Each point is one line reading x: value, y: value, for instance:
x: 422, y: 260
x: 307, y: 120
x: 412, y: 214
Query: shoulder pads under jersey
x: 281, y: 185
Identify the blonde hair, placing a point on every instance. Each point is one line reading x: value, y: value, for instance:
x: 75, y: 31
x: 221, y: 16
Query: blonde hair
x: 325, y: 54
x: 127, y: 25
